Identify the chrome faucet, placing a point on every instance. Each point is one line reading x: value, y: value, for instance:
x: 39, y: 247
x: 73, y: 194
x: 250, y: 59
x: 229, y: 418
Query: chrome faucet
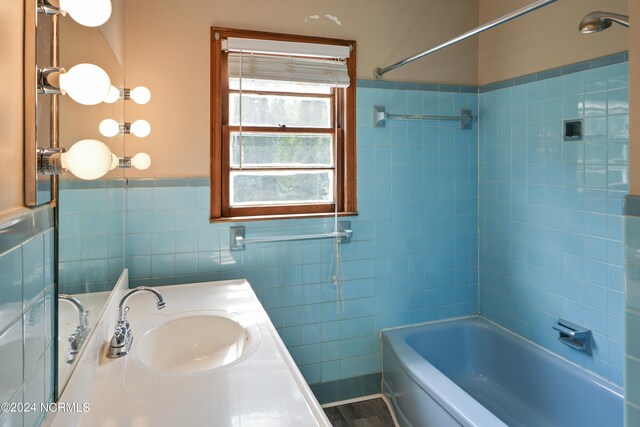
x: 122, y: 338
x: 81, y: 331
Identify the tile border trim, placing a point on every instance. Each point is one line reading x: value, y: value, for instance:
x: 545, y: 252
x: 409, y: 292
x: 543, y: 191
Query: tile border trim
x: 168, y: 182
x: 631, y: 205
x: 133, y: 183
x: 427, y: 87
x: 590, y: 64
x: 19, y: 225
x: 78, y: 184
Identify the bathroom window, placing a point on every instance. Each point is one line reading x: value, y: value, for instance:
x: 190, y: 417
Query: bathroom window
x: 283, y: 125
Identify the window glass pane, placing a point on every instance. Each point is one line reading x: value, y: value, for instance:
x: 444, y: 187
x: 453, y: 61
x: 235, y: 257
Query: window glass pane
x: 282, y: 149
x: 281, y: 188
x: 277, y: 86
x: 278, y: 110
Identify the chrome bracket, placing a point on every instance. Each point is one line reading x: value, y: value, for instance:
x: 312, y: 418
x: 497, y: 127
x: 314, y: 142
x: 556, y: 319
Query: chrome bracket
x: 125, y: 162
x: 48, y: 80
x: 467, y: 119
x: 125, y: 93
x: 49, y: 7
x: 379, y: 116
x: 50, y: 161
x: 236, y: 236
x: 124, y: 128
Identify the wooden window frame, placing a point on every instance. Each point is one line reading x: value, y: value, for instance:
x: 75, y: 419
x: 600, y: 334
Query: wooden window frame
x: 345, y: 161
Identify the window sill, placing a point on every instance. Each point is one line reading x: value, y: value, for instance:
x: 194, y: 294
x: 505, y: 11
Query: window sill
x: 278, y: 217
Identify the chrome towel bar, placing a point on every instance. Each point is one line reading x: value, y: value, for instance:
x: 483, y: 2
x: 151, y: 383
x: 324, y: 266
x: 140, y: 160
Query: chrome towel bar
x: 380, y: 115
x: 238, y: 239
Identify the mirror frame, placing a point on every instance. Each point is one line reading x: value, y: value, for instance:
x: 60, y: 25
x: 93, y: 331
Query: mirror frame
x: 38, y: 189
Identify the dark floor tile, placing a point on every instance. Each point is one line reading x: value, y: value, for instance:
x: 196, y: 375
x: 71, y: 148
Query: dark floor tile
x: 369, y: 413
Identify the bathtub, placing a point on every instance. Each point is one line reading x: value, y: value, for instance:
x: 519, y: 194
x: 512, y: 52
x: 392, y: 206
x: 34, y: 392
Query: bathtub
x: 470, y: 372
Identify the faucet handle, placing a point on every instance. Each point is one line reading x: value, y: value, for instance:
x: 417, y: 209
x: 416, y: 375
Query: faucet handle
x: 123, y: 314
x: 122, y: 338
x: 75, y: 335
x: 122, y: 326
x: 121, y: 334
x: 85, y: 318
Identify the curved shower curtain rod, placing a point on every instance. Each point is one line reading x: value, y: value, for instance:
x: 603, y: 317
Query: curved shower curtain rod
x: 379, y: 72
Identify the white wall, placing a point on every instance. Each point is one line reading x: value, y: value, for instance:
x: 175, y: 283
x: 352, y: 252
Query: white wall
x: 11, y: 111
x: 543, y: 39
x: 168, y: 51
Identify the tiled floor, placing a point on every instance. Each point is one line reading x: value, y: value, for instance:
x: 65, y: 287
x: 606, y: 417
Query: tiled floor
x: 368, y: 413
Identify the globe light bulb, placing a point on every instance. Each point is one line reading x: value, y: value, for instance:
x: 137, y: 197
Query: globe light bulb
x: 86, y: 84
x: 140, y: 128
x: 141, y: 161
x: 113, y: 96
x: 90, y: 13
x: 87, y: 159
x: 109, y: 128
x: 115, y: 162
x: 140, y: 95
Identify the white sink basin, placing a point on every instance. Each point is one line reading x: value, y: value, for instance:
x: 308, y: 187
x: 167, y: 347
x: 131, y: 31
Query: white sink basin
x: 196, y: 342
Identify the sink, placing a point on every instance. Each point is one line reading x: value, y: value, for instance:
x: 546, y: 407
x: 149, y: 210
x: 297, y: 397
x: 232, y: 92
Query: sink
x: 196, y: 342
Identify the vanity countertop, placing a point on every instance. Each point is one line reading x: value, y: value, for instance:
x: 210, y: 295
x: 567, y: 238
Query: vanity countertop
x: 265, y: 389
x: 67, y: 322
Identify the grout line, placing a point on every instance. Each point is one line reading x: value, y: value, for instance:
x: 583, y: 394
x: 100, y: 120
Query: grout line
x: 478, y: 203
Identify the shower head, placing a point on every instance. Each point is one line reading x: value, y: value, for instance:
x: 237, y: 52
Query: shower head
x: 598, y: 21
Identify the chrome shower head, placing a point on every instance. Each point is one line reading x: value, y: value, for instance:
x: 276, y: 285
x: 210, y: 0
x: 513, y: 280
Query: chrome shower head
x: 597, y: 21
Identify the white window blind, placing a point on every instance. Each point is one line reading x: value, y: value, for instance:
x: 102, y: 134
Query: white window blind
x: 278, y: 47
x: 331, y: 72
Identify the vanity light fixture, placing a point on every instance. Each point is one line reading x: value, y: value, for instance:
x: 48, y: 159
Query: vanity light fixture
x: 86, y: 84
x: 90, y: 13
x: 111, y: 128
x: 140, y: 95
x: 140, y: 161
x: 87, y: 159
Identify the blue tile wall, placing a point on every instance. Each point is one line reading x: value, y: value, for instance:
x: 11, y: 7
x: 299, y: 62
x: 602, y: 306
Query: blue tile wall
x: 91, y: 241
x: 413, y: 257
x: 541, y: 217
x: 632, y: 318
x: 26, y: 322
x: 550, y: 211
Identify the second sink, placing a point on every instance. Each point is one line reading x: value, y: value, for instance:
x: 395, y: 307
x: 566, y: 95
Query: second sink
x: 196, y: 342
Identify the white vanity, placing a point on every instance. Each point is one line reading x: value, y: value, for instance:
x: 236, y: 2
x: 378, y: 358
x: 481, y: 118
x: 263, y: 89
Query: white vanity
x: 211, y: 357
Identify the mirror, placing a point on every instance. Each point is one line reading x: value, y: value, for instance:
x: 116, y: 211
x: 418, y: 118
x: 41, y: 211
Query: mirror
x: 91, y: 213
x: 43, y: 129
